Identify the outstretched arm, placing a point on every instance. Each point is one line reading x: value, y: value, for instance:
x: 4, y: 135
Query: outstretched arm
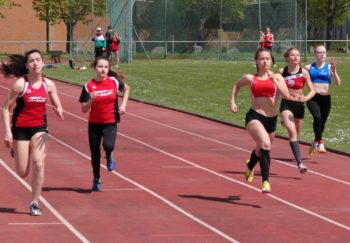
x: 245, y: 80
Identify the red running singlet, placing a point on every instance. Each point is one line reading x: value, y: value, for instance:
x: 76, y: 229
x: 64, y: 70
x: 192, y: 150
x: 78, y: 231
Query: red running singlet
x: 30, y: 110
x: 263, y: 88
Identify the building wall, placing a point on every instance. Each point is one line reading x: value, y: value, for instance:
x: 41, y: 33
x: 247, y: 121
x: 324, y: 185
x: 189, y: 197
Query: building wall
x: 21, y: 30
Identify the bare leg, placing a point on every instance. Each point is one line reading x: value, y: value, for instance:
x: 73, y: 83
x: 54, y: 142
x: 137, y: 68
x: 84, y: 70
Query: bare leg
x: 39, y: 149
x: 22, y: 162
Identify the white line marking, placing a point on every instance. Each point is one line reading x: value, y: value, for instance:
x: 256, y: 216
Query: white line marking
x: 34, y: 224
x: 121, y: 189
x: 236, y: 147
x: 178, y: 167
x: 47, y: 204
x: 169, y: 203
x: 222, y: 176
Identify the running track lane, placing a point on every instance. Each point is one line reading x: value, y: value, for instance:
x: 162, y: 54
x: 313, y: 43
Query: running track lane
x: 197, y: 165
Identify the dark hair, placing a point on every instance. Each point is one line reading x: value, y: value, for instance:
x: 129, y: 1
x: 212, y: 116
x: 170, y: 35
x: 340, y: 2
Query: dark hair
x: 121, y: 76
x: 100, y: 58
x: 16, y: 66
x: 257, y: 53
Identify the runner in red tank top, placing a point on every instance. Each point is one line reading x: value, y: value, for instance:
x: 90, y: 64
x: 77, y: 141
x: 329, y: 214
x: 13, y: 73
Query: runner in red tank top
x: 100, y: 97
x: 292, y: 112
x: 261, y: 119
x: 27, y: 135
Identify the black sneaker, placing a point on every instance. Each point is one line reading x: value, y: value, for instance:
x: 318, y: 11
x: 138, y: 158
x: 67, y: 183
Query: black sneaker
x: 34, y: 209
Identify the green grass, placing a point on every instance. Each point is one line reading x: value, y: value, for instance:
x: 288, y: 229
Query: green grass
x: 204, y: 87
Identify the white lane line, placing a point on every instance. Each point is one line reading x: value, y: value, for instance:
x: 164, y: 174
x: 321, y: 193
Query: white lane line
x: 236, y: 147
x: 15, y: 224
x: 225, y: 177
x: 121, y: 189
x: 169, y: 203
x: 215, y: 141
x: 47, y: 204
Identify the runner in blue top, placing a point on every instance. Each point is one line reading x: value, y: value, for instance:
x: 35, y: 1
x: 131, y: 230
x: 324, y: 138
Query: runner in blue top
x: 319, y: 106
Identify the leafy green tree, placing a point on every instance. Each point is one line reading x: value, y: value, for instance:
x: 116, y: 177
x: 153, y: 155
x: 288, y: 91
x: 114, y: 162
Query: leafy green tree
x: 327, y: 14
x: 68, y: 11
x: 186, y: 19
x: 6, y: 4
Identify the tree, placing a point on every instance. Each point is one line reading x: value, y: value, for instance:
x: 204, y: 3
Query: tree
x: 327, y: 14
x: 68, y: 11
x: 7, y: 4
x: 187, y: 19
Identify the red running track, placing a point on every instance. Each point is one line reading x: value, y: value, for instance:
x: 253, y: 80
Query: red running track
x: 179, y: 178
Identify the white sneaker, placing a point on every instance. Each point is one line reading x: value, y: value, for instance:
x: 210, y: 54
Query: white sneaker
x: 302, y: 168
x: 313, y: 148
x: 321, y: 148
x: 34, y: 209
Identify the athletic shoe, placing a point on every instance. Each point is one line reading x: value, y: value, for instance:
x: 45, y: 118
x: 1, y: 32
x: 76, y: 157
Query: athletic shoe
x: 266, y: 187
x: 249, y: 174
x: 321, y: 148
x: 110, y: 164
x: 313, y: 148
x: 96, y: 185
x: 302, y: 168
x: 34, y: 209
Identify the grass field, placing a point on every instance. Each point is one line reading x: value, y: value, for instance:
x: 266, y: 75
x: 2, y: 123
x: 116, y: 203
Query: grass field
x: 204, y: 87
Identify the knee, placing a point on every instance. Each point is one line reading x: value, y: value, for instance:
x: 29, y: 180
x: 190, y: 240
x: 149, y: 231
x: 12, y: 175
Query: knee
x: 265, y: 145
x: 38, y: 167
x: 108, y: 147
x: 23, y: 174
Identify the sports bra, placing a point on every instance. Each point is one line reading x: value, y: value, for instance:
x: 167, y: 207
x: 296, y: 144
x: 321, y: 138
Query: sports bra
x: 263, y: 87
x: 294, y: 81
x: 320, y: 75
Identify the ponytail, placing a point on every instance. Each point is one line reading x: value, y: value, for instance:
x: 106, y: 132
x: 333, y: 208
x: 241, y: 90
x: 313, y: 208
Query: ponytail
x: 16, y: 65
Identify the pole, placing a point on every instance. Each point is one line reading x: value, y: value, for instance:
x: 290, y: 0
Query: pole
x: 70, y: 29
x: 220, y: 31
x: 295, y: 23
x: 259, y: 16
x: 165, y: 27
x: 106, y: 10
x: 306, y: 36
x: 92, y: 17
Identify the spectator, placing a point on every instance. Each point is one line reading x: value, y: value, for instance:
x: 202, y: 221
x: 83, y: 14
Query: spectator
x: 100, y: 43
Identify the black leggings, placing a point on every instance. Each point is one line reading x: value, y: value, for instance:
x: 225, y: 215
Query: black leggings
x: 319, y: 107
x: 96, y: 133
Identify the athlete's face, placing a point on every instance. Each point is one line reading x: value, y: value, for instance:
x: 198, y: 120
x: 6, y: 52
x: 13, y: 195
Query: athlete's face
x: 320, y: 53
x: 101, y: 69
x: 293, y: 57
x: 35, y: 63
x: 264, y: 60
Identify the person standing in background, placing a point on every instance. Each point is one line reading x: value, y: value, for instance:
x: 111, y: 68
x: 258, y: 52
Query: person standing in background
x: 108, y: 37
x: 321, y: 74
x: 100, y: 43
x: 266, y: 41
x: 115, y: 49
